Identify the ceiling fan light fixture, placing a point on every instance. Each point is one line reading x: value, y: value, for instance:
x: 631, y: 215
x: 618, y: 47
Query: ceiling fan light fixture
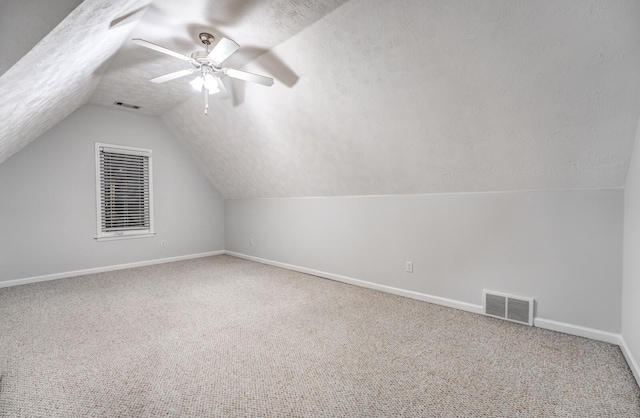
x: 197, y: 83
x: 211, y: 84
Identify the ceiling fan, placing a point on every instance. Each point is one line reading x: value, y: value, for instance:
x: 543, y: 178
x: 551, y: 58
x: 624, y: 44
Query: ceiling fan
x: 209, y: 66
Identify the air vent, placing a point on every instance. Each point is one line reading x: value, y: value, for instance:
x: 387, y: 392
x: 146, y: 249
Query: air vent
x: 127, y: 105
x: 512, y: 308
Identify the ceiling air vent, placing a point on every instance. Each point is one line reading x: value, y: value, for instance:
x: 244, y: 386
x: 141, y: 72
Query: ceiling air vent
x: 512, y: 308
x: 127, y: 105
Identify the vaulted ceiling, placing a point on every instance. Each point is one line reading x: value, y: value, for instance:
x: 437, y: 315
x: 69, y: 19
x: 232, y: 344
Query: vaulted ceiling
x: 371, y: 96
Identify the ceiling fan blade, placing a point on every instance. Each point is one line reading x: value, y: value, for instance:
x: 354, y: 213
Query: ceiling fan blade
x: 127, y: 17
x: 172, y: 76
x: 159, y: 48
x: 223, y: 50
x: 243, y: 75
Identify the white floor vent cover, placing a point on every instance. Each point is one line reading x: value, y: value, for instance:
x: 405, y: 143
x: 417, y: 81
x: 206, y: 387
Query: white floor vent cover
x: 512, y: 308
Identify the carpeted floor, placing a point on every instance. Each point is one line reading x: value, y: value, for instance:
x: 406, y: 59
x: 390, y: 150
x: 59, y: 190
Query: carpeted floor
x: 221, y: 336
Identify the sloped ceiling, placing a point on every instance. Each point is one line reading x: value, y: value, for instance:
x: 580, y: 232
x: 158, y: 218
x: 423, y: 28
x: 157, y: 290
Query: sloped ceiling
x: 428, y: 97
x: 59, y: 74
x: 371, y: 96
x: 25, y: 23
x: 77, y: 61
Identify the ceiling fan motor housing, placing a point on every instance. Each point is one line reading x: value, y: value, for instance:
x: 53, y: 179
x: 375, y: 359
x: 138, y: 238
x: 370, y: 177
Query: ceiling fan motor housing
x: 200, y: 57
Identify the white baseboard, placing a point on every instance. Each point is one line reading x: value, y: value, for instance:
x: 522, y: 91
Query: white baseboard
x: 580, y: 331
x: 571, y: 329
x: 633, y: 364
x: 76, y: 273
x: 463, y: 306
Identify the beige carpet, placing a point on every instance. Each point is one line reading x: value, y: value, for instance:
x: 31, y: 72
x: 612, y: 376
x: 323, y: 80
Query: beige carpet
x: 221, y: 336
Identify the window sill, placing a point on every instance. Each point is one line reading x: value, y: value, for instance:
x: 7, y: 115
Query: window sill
x: 119, y: 237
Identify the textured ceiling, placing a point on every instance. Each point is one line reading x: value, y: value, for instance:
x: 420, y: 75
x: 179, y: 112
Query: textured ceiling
x: 428, y: 97
x: 371, y: 96
x: 25, y: 23
x: 59, y: 74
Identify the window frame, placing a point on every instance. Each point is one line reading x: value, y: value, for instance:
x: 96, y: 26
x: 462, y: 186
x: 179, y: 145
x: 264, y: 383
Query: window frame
x: 124, y: 234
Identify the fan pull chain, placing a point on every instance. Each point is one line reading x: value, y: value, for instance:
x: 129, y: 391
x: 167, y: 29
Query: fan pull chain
x: 206, y: 100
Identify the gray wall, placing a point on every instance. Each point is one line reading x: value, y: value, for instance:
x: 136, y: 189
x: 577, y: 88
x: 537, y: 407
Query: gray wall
x: 562, y: 248
x: 48, y: 198
x: 631, y: 264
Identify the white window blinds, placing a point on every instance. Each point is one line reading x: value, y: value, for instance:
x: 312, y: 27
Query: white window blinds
x: 124, y: 191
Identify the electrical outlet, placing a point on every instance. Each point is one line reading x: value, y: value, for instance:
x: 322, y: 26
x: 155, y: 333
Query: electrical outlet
x: 251, y: 242
x: 409, y: 266
x: 163, y: 244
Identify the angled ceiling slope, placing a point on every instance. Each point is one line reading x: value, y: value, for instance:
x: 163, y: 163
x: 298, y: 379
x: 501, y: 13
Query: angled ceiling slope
x: 73, y: 64
x: 371, y: 97
x: 59, y: 74
x: 25, y: 23
x: 433, y: 97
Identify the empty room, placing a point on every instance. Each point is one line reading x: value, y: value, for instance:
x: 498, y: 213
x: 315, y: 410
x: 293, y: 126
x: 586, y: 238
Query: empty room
x: 329, y: 208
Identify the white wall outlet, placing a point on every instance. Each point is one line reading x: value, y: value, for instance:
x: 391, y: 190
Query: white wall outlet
x: 251, y: 242
x: 163, y: 243
x: 409, y: 266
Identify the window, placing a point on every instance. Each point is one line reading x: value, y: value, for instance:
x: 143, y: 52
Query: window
x: 124, y: 192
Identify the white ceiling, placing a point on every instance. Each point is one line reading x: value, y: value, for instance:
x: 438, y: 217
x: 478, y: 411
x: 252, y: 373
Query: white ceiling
x: 59, y: 73
x: 371, y: 96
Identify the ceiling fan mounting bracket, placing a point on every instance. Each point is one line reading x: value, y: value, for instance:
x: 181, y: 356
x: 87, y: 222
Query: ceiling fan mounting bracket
x: 206, y: 38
